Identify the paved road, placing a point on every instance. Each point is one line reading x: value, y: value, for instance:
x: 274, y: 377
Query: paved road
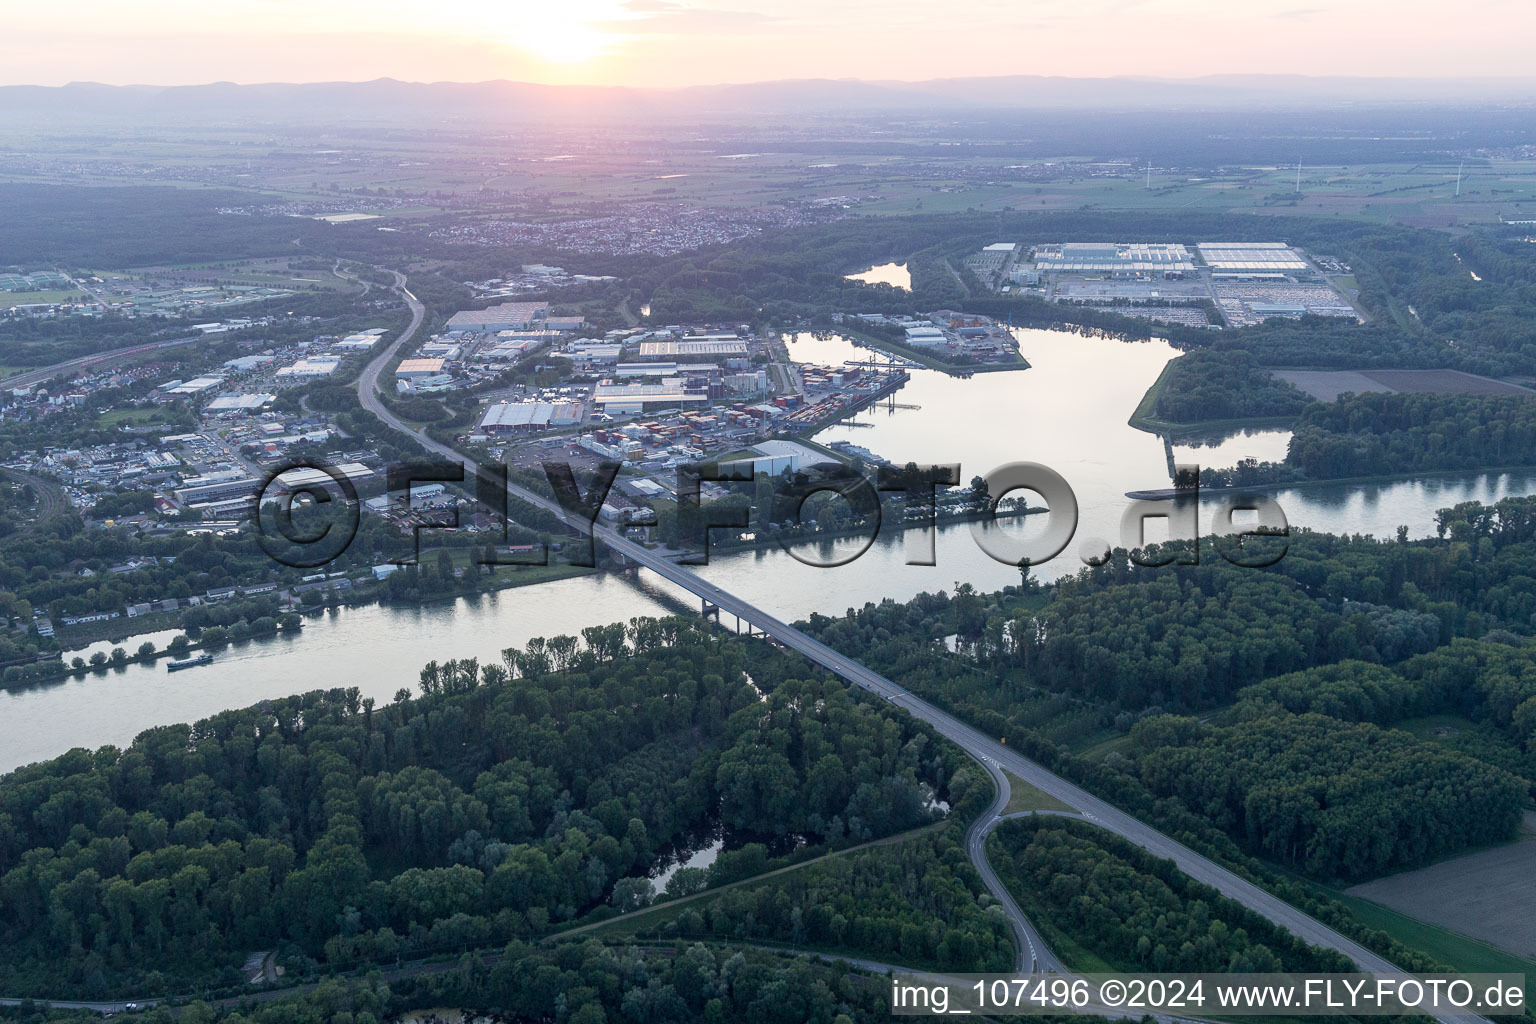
x: 1033, y: 954
x: 60, y: 1004
x: 30, y: 377
x: 992, y: 753
x: 367, y: 383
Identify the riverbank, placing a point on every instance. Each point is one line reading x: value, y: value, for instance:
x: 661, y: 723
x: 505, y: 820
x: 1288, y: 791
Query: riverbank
x: 1345, y: 481
x: 953, y: 369
x: 139, y: 656
x: 49, y: 670
x: 1144, y: 418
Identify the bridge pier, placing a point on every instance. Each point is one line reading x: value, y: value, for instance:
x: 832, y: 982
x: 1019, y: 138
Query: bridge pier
x: 709, y: 611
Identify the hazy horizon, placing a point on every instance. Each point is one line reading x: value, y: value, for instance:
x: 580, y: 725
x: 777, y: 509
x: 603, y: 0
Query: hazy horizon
x: 1468, y: 80
x: 669, y: 43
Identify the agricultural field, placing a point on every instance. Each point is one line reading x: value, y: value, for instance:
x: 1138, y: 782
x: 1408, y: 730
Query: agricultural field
x: 1486, y: 895
x: 1422, y: 195
x: 1328, y: 385
x: 875, y: 167
x: 50, y: 297
x: 281, y: 274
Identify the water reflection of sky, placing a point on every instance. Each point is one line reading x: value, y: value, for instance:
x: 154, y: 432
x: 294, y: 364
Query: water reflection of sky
x: 894, y: 274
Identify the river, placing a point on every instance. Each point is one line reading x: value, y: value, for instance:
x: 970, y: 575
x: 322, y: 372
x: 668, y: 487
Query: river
x: 1068, y: 412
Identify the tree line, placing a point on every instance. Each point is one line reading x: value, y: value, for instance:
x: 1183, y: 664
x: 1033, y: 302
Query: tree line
x: 1335, y: 799
x: 507, y: 797
x: 1136, y: 911
x: 1224, y: 384
x: 918, y: 902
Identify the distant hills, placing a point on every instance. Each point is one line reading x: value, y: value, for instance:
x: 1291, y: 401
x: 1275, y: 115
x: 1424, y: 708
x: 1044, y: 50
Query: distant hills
x: 388, y: 100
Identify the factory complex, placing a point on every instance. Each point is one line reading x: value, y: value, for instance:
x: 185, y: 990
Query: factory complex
x: 1209, y: 284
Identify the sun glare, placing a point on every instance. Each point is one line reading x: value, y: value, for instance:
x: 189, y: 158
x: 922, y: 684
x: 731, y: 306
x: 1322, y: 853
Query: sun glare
x: 565, y: 31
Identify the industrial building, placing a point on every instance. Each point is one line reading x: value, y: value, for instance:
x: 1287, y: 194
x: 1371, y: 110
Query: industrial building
x: 594, y: 355
x: 746, y: 383
x: 425, y: 385
x: 628, y: 399
x: 421, y: 494
x: 778, y: 457
x: 507, y: 350
x: 304, y: 477
x: 195, y: 386
x: 1263, y: 310
x: 926, y: 336
x: 1261, y: 257
x: 245, y: 364
x: 663, y: 369
x: 440, y: 348
x: 507, y: 316
x: 696, y: 348
x: 526, y: 417
x: 1116, y: 259
x: 230, y: 509
x: 239, y: 403
x: 202, y: 493
x: 410, y: 369
x: 312, y: 366
x: 361, y: 341
x: 612, y: 446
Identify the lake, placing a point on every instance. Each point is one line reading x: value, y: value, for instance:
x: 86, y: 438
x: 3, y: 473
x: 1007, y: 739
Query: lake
x: 893, y: 274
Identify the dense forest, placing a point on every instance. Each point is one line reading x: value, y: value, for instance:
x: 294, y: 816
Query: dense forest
x: 1371, y: 434
x: 1181, y: 639
x: 1191, y: 640
x: 1488, y: 686
x: 1378, y: 434
x: 1224, y: 384
x: 918, y: 902
x: 1323, y: 653
x: 506, y: 798
x: 1331, y: 797
x: 1095, y: 892
x: 576, y: 983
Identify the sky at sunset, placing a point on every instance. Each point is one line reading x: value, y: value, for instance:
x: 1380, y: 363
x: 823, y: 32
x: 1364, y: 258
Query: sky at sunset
x: 676, y: 43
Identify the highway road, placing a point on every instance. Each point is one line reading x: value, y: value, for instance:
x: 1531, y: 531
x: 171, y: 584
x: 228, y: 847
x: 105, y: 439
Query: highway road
x: 991, y: 752
x: 368, y: 381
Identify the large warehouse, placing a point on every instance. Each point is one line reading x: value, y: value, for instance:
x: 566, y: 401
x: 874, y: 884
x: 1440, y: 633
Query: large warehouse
x: 526, y: 417
x: 1261, y: 257
x: 509, y: 316
x: 410, y: 369
x: 694, y: 348
x: 628, y: 399
x: 1114, y: 258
